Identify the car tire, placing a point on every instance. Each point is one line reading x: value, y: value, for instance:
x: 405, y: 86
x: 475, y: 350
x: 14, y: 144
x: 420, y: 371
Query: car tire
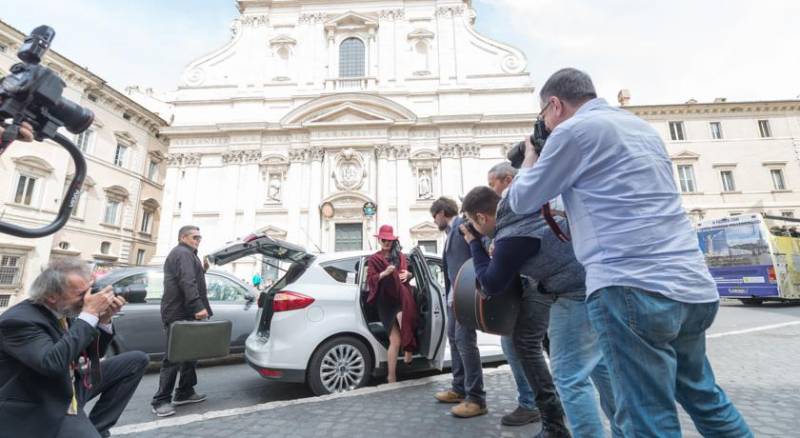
x: 752, y: 301
x: 340, y: 364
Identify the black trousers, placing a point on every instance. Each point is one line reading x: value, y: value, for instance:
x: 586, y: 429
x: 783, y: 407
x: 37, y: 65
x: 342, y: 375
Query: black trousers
x: 120, y: 377
x: 529, y: 334
x: 168, y: 376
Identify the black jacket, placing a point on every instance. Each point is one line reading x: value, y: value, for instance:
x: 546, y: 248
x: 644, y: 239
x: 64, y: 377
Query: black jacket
x: 35, y: 356
x: 184, y: 286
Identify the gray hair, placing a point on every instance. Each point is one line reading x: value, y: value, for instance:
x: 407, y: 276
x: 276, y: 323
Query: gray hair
x: 186, y: 229
x: 570, y: 85
x: 53, y: 280
x: 502, y: 170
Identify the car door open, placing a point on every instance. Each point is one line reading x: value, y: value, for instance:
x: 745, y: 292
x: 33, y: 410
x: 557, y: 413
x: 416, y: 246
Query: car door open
x: 431, y: 310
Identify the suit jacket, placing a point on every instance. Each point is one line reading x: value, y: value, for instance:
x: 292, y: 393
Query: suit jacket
x: 185, y: 291
x: 456, y: 252
x: 35, y: 357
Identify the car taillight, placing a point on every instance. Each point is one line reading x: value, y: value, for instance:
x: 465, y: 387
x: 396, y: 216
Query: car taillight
x: 286, y: 300
x: 771, y: 274
x: 269, y: 373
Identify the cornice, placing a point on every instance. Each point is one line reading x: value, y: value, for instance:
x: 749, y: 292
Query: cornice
x: 721, y: 108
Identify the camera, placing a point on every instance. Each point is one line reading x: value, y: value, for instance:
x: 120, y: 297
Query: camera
x: 135, y: 293
x: 517, y: 152
x: 33, y: 93
x: 472, y: 230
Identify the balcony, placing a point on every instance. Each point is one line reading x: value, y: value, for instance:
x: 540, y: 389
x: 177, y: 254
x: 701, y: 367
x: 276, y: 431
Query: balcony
x: 351, y: 84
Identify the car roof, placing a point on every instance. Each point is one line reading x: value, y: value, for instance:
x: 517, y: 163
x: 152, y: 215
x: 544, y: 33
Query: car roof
x: 341, y: 255
x: 117, y: 274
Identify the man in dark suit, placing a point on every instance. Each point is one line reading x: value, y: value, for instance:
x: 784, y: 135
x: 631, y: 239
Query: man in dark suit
x: 467, y: 388
x: 185, y: 299
x: 43, y: 385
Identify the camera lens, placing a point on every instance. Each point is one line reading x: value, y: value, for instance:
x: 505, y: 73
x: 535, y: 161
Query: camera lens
x: 75, y: 117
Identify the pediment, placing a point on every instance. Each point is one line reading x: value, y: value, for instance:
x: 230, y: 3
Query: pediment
x: 348, y: 114
x: 425, y: 227
x: 273, y: 231
x: 351, y: 20
x: 685, y: 155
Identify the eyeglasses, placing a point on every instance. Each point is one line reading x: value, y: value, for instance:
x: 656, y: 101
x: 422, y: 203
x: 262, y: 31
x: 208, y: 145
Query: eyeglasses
x: 541, y: 113
x: 197, y: 238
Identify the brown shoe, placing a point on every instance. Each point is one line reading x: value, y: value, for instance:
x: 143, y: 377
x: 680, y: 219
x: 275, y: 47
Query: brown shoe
x: 468, y: 409
x: 449, y: 397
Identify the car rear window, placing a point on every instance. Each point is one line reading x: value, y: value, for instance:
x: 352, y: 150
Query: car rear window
x: 343, y: 271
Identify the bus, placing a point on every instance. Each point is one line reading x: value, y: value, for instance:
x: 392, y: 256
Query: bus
x: 753, y: 257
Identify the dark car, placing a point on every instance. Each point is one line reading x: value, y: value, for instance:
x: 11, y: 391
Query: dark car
x: 138, y: 326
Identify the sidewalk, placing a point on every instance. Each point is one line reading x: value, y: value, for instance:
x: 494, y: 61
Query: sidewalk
x: 757, y: 370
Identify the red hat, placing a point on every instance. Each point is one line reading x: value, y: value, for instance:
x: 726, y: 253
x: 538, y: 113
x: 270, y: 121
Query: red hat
x: 386, y: 232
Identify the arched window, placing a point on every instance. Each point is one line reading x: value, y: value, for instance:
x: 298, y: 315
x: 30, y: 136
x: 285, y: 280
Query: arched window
x: 351, y: 58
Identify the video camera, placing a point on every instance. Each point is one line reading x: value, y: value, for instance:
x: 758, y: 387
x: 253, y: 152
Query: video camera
x: 33, y: 93
x: 517, y: 153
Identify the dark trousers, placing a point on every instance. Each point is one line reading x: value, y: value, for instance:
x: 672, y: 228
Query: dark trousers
x: 120, y: 377
x: 529, y: 333
x: 466, y: 360
x: 168, y: 376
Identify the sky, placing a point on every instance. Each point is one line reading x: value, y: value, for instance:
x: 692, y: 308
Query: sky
x: 662, y: 51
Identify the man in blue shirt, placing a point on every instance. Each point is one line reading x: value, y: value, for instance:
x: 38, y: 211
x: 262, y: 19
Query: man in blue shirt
x: 650, y: 295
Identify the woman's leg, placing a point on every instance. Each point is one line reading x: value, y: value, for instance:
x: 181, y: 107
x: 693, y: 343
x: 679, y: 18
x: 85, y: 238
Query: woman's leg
x: 394, y: 349
x: 408, y: 356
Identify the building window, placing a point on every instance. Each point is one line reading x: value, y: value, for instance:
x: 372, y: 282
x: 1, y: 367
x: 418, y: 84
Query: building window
x: 140, y: 257
x: 152, y: 171
x: 10, y: 269
x: 676, y: 132
x: 429, y: 246
x: 119, y: 155
x: 110, y: 215
x: 105, y: 247
x: 728, y: 184
x: 716, y: 130
x: 789, y: 214
x: 764, y: 129
x: 352, y: 58
x: 686, y: 178
x: 83, y: 140
x: 5, y: 300
x: 25, y: 187
x: 63, y: 245
x: 778, y: 183
x: 147, y: 217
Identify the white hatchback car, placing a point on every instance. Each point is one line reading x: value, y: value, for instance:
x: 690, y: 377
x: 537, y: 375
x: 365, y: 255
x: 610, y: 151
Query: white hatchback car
x: 314, y: 325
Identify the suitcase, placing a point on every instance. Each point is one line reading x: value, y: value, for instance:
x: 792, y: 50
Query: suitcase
x: 195, y: 340
x: 496, y: 315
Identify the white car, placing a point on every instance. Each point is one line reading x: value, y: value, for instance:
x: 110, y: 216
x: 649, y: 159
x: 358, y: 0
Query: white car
x: 314, y: 325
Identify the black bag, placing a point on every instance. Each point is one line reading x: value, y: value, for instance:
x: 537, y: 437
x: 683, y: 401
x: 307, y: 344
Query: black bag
x: 496, y: 315
x: 194, y: 340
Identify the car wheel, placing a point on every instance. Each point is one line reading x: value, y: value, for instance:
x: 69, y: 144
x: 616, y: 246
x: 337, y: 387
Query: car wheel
x: 339, y: 365
x: 752, y: 301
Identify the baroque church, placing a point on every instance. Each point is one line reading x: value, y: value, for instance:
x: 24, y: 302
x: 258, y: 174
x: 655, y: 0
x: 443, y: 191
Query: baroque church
x: 318, y: 122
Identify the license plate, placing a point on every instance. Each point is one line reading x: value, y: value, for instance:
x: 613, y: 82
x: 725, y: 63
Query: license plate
x: 737, y: 290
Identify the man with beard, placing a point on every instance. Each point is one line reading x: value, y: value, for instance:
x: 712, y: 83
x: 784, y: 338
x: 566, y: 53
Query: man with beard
x: 45, y: 387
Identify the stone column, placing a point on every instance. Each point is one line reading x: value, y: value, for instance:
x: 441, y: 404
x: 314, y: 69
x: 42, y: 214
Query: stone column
x: 316, y: 155
x: 406, y: 193
x: 168, y: 205
x: 292, y: 197
x: 452, y: 181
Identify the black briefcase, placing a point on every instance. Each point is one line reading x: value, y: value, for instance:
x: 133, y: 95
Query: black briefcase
x: 195, y: 340
x: 496, y: 315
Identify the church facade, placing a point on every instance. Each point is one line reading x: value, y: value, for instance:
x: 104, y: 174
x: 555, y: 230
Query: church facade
x: 319, y: 122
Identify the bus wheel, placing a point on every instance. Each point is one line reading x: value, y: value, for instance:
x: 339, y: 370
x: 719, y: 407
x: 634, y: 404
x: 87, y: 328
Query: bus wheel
x: 752, y: 301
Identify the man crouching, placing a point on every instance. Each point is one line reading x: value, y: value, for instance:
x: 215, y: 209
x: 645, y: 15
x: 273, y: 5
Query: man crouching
x: 45, y: 386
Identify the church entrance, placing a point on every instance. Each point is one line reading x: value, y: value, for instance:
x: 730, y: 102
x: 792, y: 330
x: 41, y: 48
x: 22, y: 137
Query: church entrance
x: 349, y: 237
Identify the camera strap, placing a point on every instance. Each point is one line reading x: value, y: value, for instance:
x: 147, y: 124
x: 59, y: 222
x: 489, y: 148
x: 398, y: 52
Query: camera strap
x: 548, y: 217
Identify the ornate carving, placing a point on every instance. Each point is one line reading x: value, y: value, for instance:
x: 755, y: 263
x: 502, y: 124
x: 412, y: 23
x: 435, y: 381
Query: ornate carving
x: 183, y: 159
x: 448, y: 150
x: 450, y: 11
x: 255, y: 20
x: 195, y: 77
x: 312, y: 18
x: 174, y: 159
x: 512, y: 64
x: 316, y: 153
x: 471, y: 150
x: 191, y: 159
x: 392, y: 14
x: 233, y: 157
x: 401, y: 151
x: 383, y: 151
x: 350, y: 172
x: 298, y: 155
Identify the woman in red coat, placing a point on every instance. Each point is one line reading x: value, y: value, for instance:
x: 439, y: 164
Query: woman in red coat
x: 387, y: 277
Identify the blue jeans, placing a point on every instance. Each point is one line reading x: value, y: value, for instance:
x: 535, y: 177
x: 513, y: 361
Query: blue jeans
x: 655, y: 349
x: 575, y: 357
x: 465, y: 360
x: 524, y: 391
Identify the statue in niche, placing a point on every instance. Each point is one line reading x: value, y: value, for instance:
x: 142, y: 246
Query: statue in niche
x: 424, y: 185
x: 274, y: 188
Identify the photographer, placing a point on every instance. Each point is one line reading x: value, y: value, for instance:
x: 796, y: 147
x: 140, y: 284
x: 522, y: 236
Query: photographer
x: 25, y: 131
x: 45, y: 387
x: 524, y: 245
x: 650, y: 295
